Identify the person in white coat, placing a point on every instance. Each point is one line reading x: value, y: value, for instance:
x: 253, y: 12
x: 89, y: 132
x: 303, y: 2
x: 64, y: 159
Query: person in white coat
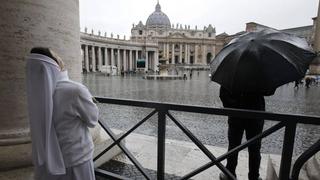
x: 60, y: 113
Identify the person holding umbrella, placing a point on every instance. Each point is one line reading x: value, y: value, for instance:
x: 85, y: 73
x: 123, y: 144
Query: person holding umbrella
x: 248, y: 68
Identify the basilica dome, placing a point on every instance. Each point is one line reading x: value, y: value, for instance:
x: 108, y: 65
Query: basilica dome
x: 158, y: 19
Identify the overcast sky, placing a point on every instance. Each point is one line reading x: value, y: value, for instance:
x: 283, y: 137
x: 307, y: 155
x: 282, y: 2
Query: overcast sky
x: 230, y: 16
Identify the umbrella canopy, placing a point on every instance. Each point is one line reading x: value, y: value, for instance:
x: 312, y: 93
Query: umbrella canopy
x: 259, y: 62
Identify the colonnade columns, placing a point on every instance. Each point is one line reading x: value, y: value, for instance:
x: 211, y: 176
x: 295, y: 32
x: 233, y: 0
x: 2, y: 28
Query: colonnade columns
x: 124, y: 60
x: 186, y: 54
x: 93, y: 57
x: 180, y: 56
x: 86, y: 58
x: 146, y: 62
x: 172, y: 55
x: 112, y: 58
x: 99, y: 59
x: 130, y: 60
x: 31, y: 21
x: 196, y: 59
x: 106, y: 56
x: 118, y: 61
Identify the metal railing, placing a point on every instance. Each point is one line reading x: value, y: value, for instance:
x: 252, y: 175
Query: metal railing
x: 288, y: 121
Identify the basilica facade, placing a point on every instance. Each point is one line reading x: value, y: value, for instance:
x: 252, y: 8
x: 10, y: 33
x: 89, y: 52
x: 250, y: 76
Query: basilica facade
x: 177, y: 44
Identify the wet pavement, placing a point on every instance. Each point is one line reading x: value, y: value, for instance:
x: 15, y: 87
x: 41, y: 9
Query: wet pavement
x: 211, y: 130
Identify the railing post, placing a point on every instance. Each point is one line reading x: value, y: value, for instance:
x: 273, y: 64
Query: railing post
x: 161, y: 143
x: 287, y: 151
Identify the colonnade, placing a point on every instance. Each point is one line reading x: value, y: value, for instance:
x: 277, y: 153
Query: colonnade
x: 117, y: 59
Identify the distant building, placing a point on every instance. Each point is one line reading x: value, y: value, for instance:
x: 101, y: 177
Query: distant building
x: 178, y: 44
x: 306, y: 32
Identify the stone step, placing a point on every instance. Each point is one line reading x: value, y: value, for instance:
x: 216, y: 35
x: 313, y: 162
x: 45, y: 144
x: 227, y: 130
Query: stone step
x: 309, y: 171
x: 101, y: 141
x: 313, y: 168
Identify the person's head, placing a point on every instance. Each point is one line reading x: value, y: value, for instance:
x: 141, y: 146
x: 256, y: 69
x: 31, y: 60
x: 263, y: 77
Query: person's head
x: 50, y: 53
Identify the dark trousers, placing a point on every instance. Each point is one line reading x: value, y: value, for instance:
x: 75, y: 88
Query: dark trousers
x: 252, y: 127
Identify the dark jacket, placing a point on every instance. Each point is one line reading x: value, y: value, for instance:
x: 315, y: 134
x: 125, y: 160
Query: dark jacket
x: 242, y: 101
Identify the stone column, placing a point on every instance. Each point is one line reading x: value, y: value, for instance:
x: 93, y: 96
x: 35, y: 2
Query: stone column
x: 168, y: 53
x: 172, y: 54
x: 93, y: 57
x: 315, y: 65
x: 130, y: 60
x: 156, y: 60
x: 147, y: 59
x: 137, y: 57
x: 118, y: 61
x: 196, y: 58
x: 180, y: 54
x: 213, y: 52
x: 164, y: 50
x: 99, y: 59
x: 25, y: 24
x: 186, y: 54
x: 112, y: 58
x: 86, y: 58
x: 204, y: 54
x: 124, y: 60
x: 106, y: 56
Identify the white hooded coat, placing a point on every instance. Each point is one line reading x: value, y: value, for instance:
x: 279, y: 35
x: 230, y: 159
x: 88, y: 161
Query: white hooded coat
x: 42, y: 73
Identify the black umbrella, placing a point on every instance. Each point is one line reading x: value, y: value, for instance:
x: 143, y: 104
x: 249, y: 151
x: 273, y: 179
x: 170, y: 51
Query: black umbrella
x: 259, y: 62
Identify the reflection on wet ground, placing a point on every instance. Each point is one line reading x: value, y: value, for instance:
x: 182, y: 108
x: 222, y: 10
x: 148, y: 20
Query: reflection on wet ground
x: 211, y: 130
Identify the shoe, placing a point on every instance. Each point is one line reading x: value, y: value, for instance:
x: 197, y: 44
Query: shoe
x: 259, y: 178
x: 222, y: 176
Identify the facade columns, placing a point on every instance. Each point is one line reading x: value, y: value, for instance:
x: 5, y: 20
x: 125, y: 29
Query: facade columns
x: 167, y: 51
x: 186, y: 54
x: 196, y: 56
x: 172, y: 55
x: 118, y: 61
x: 213, y: 52
x: 137, y: 57
x: 99, y: 59
x: 180, y: 56
x: 156, y: 60
x: 204, y: 54
x: 86, y: 58
x: 93, y: 57
x: 146, y: 62
x: 164, y: 51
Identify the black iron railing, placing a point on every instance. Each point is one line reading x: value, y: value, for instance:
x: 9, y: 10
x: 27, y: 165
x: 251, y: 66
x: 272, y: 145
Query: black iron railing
x: 288, y: 121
